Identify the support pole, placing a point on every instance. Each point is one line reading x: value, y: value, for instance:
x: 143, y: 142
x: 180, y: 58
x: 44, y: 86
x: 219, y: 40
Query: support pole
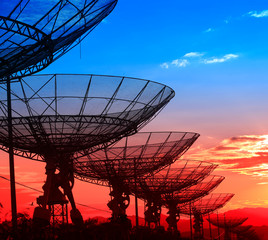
x: 210, y: 230
x: 11, y: 162
x: 202, y: 226
x: 136, y: 199
x: 218, y: 225
x: 137, y: 212
x: 144, y: 213
x: 191, y: 227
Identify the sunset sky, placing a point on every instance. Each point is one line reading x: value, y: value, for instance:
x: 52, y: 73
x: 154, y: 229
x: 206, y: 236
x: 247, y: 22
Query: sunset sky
x: 214, y: 54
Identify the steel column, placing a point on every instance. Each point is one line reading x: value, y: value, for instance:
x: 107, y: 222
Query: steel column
x: 11, y: 161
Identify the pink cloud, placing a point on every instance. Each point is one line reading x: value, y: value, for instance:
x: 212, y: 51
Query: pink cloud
x: 244, y: 154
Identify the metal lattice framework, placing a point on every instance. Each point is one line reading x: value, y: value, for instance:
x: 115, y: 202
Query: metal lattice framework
x: 33, y: 33
x: 207, y: 204
x: 57, y: 118
x: 182, y: 174
x: 193, y: 192
x: 227, y: 223
x: 171, y: 200
x: 245, y: 232
x: 242, y: 229
x: 133, y: 156
x: 202, y: 206
x: 60, y: 115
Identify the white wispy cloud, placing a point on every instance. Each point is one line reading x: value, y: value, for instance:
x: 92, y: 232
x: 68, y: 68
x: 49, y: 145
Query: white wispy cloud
x: 193, y: 54
x: 196, y: 57
x: 164, y: 65
x: 175, y: 63
x: 256, y: 14
x: 222, y: 59
x: 180, y: 62
x: 209, y: 30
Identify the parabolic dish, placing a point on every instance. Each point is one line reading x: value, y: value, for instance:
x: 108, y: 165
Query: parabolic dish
x: 185, y: 174
x: 33, y: 33
x: 59, y: 115
x: 227, y: 222
x: 193, y: 192
x: 206, y: 204
x: 133, y: 156
x: 242, y: 229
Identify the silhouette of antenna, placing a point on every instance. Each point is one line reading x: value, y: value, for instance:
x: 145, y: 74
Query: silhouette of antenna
x: 228, y: 223
x: 180, y: 175
x: 203, y: 206
x: 172, y: 200
x: 57, y: 118
x: 129, y: 158
x: 32, y: 35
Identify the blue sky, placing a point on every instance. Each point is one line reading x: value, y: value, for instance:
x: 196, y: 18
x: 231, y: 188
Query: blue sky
x: 136, y: 38
x: 144, y: 35
x: 216, y: 54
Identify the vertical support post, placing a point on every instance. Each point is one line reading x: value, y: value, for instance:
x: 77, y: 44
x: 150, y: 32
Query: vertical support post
x: 218, y: 225
x: 11, y: 162
x: 210, y: 230
x: 191, y: 227
x: 144, y: 213
x: 137, y: 212
x: 66, y: 209
x: 136, y: 199
x: 62, y: 214
x: 202, y: 226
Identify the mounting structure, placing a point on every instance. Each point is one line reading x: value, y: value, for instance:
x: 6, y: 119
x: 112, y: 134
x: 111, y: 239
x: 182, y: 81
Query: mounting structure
x: 57, y: 118
x: 32, y: 35
x: 131, y: 157
x: 245, y: 232
x: 173, y: 199
x: 207, y: 204
x: 57, y: 205
x: 227, y: 223
x: 203, y: 206
x: 181, y: 174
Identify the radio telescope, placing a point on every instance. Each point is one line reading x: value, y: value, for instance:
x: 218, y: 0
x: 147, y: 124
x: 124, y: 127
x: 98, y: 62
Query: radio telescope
x: 151, y: 187
x: 131, y: 157
x: 57, y: 118
x: 207, y: 204
x: 33, y: 33
x: 228, y: 223
x: 204, y: 206
x: 245, y: 232
x: 173, y: 199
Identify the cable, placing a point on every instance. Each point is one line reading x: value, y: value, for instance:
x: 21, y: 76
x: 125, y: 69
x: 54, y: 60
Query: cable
x: 83, y: 205
x: 34, y: 189
x: 23, y: 185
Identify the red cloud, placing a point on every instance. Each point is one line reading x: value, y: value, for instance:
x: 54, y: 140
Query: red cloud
x: 221, y: 148
x: 245, y: 154
x: 246, y: 139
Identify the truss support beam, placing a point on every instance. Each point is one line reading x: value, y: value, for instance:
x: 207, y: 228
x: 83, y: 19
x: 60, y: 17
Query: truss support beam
x: 11, y: 163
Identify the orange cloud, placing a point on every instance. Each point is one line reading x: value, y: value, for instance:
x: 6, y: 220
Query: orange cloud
x: 243, y: 154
